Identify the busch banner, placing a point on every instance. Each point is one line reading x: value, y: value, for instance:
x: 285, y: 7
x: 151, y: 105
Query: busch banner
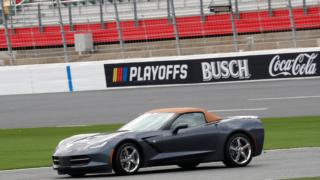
x: 239, y: 68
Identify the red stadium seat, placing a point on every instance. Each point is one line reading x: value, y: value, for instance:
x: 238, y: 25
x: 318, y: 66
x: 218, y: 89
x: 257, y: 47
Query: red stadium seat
x: 154, y: 29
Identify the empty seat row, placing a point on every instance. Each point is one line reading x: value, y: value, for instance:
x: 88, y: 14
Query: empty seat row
x: 159, y: 29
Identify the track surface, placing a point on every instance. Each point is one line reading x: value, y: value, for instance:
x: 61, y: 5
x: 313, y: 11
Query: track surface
x: 288, y: 98
x: 277, y: 164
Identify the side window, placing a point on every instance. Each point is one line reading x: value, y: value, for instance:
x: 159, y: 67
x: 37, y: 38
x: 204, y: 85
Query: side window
x: 192, y: 119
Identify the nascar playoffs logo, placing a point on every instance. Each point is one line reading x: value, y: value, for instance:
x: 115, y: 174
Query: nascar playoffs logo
x: 150, y: 73
x: 120, y: 74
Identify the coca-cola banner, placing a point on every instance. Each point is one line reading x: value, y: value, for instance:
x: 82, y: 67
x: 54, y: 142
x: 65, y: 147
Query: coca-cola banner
x: 270, y: 66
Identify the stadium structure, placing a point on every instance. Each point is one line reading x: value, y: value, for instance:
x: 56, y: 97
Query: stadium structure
x: 54, y: 31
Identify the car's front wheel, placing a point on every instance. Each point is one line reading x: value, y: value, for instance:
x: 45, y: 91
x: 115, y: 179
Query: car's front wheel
x: 127, y: 159
x: 238, y: 151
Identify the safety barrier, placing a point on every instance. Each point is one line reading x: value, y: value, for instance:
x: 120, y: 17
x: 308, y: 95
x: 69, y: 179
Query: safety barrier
x: 210, y: 68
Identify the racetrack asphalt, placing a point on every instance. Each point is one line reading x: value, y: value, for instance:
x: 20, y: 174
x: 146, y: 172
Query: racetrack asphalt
x: 266, y: 99
x: 274, y: 164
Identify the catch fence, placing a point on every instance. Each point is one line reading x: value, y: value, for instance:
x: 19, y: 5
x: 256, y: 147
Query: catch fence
x: 82, y: 30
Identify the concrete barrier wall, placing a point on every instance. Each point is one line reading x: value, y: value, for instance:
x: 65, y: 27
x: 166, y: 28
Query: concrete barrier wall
x: 84, y: 76
x: 88, y: 76
x: 33, y: 79
x: 15, y: 81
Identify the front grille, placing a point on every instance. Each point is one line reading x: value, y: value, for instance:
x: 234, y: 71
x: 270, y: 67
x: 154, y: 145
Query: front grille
x: 79, y: 160
x: 71, y: 161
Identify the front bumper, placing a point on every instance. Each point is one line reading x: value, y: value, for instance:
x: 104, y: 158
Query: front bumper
x: 94, y: 163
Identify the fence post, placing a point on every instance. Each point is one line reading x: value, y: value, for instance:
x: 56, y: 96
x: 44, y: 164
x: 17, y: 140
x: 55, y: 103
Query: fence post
x: 64, y: 42
x: 176, y: 31
x: 39, y: 18
x: 203, y: 17
x: 136, y: 20
x: 234, y: 29
x: 237, y: 9
x: 11, y: 21
x: 169, y: 12
x: 293, y: 25
x: 270, y: 8
x: 118, y: 24
x: 6, y: 31
x: 70, y: 17
x: 103, y: 25
x: 305, y: 8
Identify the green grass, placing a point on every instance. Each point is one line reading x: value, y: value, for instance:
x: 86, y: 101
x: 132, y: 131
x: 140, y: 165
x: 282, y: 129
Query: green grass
x: 33, y: 147
x: 306, y: 178
x: 292, y: 132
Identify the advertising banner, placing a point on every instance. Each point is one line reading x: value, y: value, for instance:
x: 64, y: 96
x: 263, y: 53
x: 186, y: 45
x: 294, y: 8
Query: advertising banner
x: 255, y: 67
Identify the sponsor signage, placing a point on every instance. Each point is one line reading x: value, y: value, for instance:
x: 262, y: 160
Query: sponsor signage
x: 148, y: 73
x: 239, y: 68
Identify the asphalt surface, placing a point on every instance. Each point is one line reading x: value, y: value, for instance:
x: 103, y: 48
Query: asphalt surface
x: 265, y: 99
x: 274, y: 164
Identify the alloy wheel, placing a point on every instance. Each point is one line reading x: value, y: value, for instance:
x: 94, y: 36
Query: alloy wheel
x: 240, y: 150
x: 129, y: 159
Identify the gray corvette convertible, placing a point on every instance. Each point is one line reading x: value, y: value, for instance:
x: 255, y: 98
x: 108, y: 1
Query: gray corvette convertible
x: 175, y: 136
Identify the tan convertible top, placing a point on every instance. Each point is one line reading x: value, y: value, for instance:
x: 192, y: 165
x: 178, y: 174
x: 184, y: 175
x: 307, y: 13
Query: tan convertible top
x: 210, y: 117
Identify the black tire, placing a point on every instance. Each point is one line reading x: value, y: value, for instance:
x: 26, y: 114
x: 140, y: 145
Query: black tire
x: 76, y: 175
x: 127, y: 159
x: 238, y: 155
x: 188, y: 165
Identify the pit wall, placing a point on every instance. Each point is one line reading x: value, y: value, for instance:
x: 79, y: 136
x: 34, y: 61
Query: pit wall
x: 174, y: 70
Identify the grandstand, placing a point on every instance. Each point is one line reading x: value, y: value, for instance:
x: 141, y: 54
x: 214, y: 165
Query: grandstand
x: 35, y: 33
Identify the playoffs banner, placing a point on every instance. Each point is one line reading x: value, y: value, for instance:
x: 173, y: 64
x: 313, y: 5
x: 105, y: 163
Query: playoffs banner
x: 239, y: 68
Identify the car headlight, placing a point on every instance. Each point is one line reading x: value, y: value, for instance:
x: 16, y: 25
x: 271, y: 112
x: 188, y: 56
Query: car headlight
x: 97, y: 145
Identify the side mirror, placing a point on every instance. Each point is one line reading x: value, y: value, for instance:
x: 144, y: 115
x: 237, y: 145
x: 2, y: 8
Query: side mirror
x: 178, y: 127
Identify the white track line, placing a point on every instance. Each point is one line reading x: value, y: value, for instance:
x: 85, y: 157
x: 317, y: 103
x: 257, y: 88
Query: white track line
x: 292, y: 149
x: 74, y: 125
x: 284, y: 98
x: 228, y: 110
x: 26, y: 169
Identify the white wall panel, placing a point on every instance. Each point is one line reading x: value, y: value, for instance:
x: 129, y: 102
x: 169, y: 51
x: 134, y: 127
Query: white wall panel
x: 15, y: 81
x: 49, y: 79
x: 88, y: 76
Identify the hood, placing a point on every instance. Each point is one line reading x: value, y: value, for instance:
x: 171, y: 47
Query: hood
x: 83, y: 142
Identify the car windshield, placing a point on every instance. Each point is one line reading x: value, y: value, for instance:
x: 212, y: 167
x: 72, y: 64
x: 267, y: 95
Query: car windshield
x: 148, y: 122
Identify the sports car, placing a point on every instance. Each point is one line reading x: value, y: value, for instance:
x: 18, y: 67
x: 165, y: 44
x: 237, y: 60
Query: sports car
x: 174, y: 136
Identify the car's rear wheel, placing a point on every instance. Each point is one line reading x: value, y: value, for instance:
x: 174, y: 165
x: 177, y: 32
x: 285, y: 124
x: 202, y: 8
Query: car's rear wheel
x: 127, y: 159
x: 75, y: 175
x: 188, y: 165
x: 238, y: 151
